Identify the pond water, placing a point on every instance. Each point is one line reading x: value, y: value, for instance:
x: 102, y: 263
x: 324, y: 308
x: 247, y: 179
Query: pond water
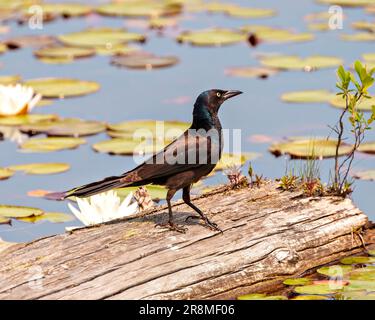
x: 137, y: 94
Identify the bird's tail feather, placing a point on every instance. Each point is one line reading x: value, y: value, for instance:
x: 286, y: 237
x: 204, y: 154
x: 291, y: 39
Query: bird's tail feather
x: 95, y: 187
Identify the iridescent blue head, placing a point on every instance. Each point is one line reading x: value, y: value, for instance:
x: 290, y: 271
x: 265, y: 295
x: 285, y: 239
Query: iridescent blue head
x: 208, y: 103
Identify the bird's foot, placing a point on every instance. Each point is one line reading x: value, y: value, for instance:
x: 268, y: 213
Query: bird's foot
x: 207, y: 223
x: 172, y: 226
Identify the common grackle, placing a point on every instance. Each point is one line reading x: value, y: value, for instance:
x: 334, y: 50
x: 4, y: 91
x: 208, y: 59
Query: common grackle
x: 180, y: 164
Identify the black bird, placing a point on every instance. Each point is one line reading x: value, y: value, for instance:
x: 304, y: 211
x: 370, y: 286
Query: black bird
x: 180, y: 164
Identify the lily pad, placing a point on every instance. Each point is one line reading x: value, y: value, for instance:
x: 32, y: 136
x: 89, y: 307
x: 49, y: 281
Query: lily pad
x: 168, y: 130
x: 162, y: 22
x: 41, y: 168
x: 229, y: 159
x: 316, y: 289
x: 361, y: 36
x: 308, y: 96
x: 69, y: 127
x: 244, y: 12
x: 4, y: 220
x: 142, y: 61
x: 297, y: 281
x: 364, y: 25
x: 370, y: 57
x: 368, y: 285
x: 26, y: 119
x: 7, y: 80
x: 33, y: 41
x: 61, y: 60
x: 348, y: 3
x: 118, y: 49
x: 367, y: 147
x: 335, y: 271
x: 365, y: 274
x: 358, y: 260
x: 5, y: 173
x: 100, y: 38
x: 365, y: 175
x: 309, y: 148
x: 297, y: 63
x: 156, y: 192
x: 251, y: 72
x: 310, y: 297
x: 18, y: 212
x: 70, y: 9
x: 363, y: 105
x: 277, y: 35
x: 140, y: 9
x: 120, y: 146
x: 64, y: 52
x: 212, y: 37
x: 62, y: 87
x: 51, y: 144
x: 54, y: 217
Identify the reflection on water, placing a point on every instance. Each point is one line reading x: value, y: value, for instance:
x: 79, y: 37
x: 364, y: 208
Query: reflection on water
x: 167, y: 94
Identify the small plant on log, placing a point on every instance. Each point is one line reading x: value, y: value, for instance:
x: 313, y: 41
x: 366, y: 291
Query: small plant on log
x: 353, y: 90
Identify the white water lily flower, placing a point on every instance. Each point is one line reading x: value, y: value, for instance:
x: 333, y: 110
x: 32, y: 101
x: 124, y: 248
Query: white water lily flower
x: 103, y: 207
x: 16, y: 100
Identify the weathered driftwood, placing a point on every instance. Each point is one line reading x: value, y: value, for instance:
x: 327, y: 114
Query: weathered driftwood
x: 269, y: 235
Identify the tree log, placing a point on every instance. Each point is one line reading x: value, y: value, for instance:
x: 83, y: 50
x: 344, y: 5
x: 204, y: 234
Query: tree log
x: 269, y: 235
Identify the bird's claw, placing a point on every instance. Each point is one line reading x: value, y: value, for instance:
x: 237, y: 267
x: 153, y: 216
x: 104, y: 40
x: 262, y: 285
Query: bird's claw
x: 207, y: 223
x: 172, y: 226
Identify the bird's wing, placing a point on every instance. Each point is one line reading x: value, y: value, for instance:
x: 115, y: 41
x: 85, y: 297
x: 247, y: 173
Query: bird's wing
x: 189, y: 151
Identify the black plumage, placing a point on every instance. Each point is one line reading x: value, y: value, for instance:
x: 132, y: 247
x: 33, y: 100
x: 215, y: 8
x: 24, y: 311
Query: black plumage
x: 180, y: 164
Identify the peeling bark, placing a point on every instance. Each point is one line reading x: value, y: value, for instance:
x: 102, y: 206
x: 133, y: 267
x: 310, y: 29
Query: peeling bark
x: 269, y: 235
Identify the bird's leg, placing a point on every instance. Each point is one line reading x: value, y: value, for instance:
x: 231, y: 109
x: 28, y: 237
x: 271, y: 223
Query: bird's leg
x: 208, y: 223
x: 170, y: 224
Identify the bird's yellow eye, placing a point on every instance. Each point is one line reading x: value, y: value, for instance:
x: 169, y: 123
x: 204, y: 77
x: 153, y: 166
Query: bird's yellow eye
x: 218, y: 94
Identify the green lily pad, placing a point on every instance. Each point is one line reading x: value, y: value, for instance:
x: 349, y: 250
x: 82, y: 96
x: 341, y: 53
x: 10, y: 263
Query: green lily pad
x: 212, y: 37
x: 143, y: 61
x: 118, y: 49
x: 364, y: 274
x: 361, y: 36
x: 51, y: 144
x: 154, y: 129
x: 297, y: 63
x: 100, y: 38
x: 69, y: 127
x: 162, y: 22
x: 348, y: 3
x: 358, y: 260
x: 297, y: 281
x: 335, y: 271
x: 41, y: 168
x: 64, y: 52
x: 18, y: 212
x: 70, y: 9
x: 319, y: 26
x: 229, y: 159
x: 371, y: 252
x: 55, y: 217
x: 155, y: 191
x: 7, y: 80
x: 140, y: 9
x: 367, y: 147
x: 310, y: 297
x: 251, y: 72
x: 257, y: 296
x: 363, y: 105
x: 370, y: 57
x: 364, y: 25
x: 277, y: 35
x: 316, y: 289
x: 243, y: 12
x: 365, y: 175
x: 5, y: 173
x: 308, y: 96
x: 62, y: 87
x: 309, y: 148
x: 60, y: 60
x: 26, y: 119
x: 368, y: 285
x: 120, y: 146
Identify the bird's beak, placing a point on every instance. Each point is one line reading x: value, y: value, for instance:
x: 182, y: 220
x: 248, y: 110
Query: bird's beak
x: 230, y: 94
